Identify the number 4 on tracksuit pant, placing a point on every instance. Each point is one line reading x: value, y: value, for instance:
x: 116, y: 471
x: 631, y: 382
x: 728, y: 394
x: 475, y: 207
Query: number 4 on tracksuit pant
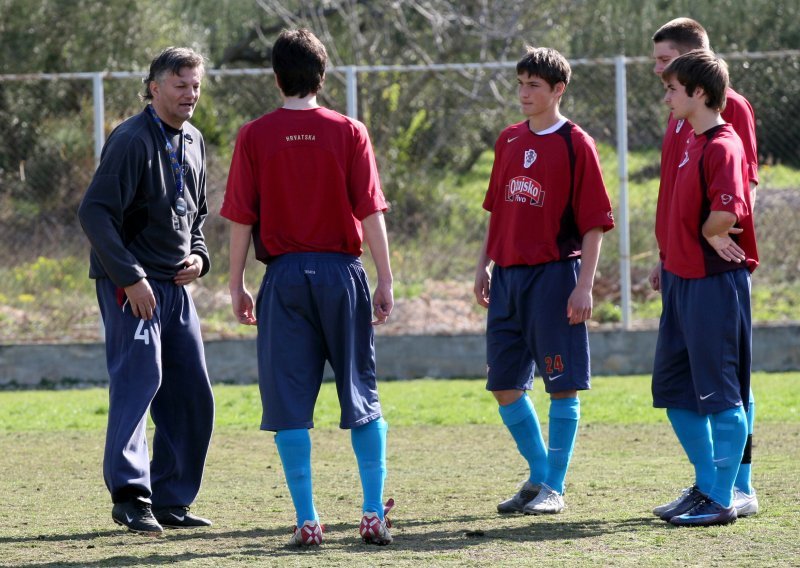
x: 157, y: 365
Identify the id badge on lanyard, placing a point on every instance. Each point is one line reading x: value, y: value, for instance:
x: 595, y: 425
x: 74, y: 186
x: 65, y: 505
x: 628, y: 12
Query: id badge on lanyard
x: 177, y: 167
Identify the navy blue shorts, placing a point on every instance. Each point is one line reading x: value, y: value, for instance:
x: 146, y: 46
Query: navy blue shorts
x: 312, y: 308
x: 528, y: 329
x: 704, y: 347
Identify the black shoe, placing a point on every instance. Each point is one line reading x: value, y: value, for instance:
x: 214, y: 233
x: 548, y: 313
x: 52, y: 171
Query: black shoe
x: 705, y: 514
x: 137, y: 516
x: 179, y: 518
x: 688, y: 500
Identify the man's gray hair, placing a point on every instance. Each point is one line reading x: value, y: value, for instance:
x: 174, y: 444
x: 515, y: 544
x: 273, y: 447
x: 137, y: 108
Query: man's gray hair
x: 171, y: 60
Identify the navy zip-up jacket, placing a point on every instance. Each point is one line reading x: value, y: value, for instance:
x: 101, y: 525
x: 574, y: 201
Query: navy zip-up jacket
x: 128, y: 210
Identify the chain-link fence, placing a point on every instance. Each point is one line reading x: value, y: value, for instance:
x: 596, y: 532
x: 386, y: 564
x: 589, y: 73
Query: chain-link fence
x: 433, y: 129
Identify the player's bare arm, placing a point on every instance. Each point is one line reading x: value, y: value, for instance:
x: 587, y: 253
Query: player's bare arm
x: 192, y: 267
x: 241, y: 300
x: 483, y: 274
x: 579, y: 304
x: 717, y: 230
x: 141, y: 299
x: 655, y: 277
x: 375, y: 234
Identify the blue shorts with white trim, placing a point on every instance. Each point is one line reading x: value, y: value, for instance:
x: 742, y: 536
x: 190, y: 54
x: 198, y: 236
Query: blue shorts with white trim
x: 313, y: 308
x: 704, y: 349
x: 528, y: 329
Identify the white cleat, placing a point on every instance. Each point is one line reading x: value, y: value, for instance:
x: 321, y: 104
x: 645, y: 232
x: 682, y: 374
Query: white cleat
x: 310, y: 534
x: 746, y: 504
x: 373, y: 530
x: 547, y: 502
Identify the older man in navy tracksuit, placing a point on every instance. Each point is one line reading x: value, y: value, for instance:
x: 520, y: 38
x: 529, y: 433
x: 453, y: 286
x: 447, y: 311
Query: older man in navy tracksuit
x: 143, y: 214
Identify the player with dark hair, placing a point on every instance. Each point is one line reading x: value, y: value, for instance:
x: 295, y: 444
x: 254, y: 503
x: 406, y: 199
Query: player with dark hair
x: 305, y: 178
x: 549, y: 209
x: 674, y: 38
x: 143, y: 214
x: 702, y: 362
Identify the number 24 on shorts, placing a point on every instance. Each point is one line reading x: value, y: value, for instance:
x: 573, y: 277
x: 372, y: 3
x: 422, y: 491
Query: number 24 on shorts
x: 552, y: 363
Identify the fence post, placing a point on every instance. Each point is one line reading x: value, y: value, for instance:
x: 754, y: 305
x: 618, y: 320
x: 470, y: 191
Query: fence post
x: 98, y: 98
x: 99, y: 116
x: 622, y: 212
x: 352, y: 91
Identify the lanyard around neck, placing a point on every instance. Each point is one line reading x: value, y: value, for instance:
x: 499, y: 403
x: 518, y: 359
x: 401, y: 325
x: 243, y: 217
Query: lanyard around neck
x: 177, y: 168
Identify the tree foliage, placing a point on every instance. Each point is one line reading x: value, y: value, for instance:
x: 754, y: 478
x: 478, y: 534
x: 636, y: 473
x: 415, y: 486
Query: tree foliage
x: 428, y: 127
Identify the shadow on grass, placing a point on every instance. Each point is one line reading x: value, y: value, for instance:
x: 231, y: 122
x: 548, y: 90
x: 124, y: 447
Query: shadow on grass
x: 517, y: 528
x: 170, y: 535
x: 127, y: 560
x: 436, y: 535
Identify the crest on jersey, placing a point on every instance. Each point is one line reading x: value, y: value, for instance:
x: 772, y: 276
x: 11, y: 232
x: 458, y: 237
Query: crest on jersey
x: 726, y: 198
x: 530, y: 157
x: 679, y: 125
x: 685, y: 159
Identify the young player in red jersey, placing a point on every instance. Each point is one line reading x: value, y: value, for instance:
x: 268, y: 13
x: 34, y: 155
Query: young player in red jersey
x: 701, y: 370
x: 549, y: 209
x: 674, y: 38
x: 305, y: 177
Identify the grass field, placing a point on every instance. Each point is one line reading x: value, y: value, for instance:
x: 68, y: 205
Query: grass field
x: 450, y: 461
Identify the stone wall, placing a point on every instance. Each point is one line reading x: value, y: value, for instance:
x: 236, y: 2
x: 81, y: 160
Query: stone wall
x: 614, y: 352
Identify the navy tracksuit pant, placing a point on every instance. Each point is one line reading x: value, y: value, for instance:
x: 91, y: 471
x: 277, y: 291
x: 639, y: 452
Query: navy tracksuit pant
x: 157, y: 365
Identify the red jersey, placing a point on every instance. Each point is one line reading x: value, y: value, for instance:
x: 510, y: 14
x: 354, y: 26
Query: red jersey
x: 737, y: 113
x: 306, y: 178
x: 546, y: 191
x: 711, y: 177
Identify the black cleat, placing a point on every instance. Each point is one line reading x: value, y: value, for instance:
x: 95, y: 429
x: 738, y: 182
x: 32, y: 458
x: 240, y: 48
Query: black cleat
x: 179, y: 518
x: 137, y: 516
x: 690, y: 497
x: 516, y: 504
x: 705, y: 514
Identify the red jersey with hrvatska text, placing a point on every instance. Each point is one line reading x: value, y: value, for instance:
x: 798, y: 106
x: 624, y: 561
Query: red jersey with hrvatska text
x: 306, y: 178
x: 546, y: 191
x: 739, y: 114
x: 711, y: 177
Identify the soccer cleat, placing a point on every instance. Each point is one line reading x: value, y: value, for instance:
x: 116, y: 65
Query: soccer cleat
x: 547, y: 502
x: 661, y: 509
x: 373, y: 530
x: 746, y: 504
x: 688, y: 498
x: 137, y: 516
x: 517, y: 503
x: 179, y: 518
x: 705, y: 514
x: 310, y: 534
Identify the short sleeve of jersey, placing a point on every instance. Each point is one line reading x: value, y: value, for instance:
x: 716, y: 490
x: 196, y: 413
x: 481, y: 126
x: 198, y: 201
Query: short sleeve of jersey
x: 240, y: 204
x: 488, y: 200
x: 364, y: 187
x: 591, y: 202
x: 723, y: 176
x: 739, y: 114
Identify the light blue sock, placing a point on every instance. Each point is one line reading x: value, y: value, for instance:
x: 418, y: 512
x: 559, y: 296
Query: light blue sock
x: 744, y: 480
x: 369, y: 445
x: 521, y: 420
x: 564, y: 416
x: 694, y: 433
x: 729, y: 431
x: 294, y: 448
